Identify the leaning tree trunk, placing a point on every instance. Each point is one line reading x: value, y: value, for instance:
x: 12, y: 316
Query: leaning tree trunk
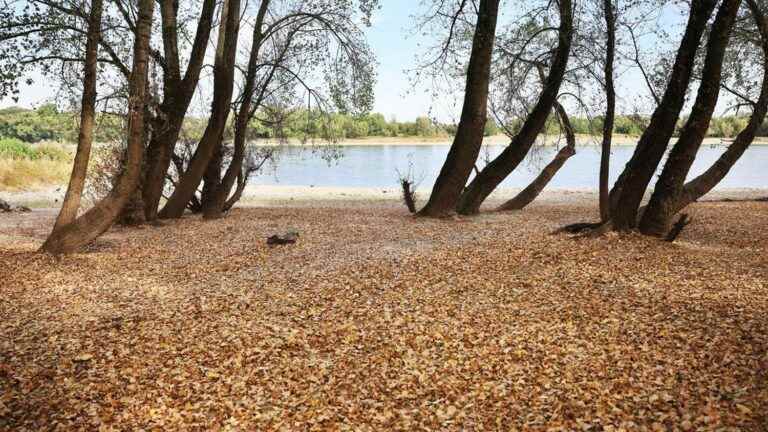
x: 629, y: 189
x: 702, y: 184
x: 498, y: 169
x: 177, y: 95
x: 71, y: 204
x: 223, y: 83
x: 610, y: 110
x: 527, y: 195
x: 212, y: 177
x: 657, y: 217
x: 469, y: 135
x: 101, y: 216
x: 242, y: 181
x: 215, y: 206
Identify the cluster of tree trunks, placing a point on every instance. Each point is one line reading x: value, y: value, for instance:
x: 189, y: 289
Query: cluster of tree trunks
x: 211, y: 142
x: 178, y: 91
x: 620, y: 205
x: 671, y: 193
x: 155, y: 117
x: 449, y: 193
x: 70, y: 236
x: 469, y: 134
x: 628, y: 191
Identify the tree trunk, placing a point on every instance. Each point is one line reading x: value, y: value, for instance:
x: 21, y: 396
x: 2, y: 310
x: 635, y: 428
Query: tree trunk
x: 610, y: 110
x: 71, y: 203
x: 469, y: 135
x: 527, y: 195
x: 627, y: 193
x: 178, y: 94
x: 657, y: 217
x: 212, y: 178
x: 701, y: 185
x: 242, y: 181
x: 498, y: 169
x: 218, y: 203
x: 222, y: 97
x: 101, y: 216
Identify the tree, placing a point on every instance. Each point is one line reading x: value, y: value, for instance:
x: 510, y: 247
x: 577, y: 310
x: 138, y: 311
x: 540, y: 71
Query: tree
x: 469, y: 135
x: 629, y: 189
x: 178, y: 91
x: 610, y: 109
x: 498, y: 169
x: 296, y: 40
x: 671, y: 195
x: 657, y: 218
x: 71, y: 203
x: 223, y: 84
x: 70, y: 237
x: 527, y: 195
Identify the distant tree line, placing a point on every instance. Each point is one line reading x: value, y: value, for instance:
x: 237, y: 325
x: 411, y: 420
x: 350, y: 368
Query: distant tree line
x: 47, y: 123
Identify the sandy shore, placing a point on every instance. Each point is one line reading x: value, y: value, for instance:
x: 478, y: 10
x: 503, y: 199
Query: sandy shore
x: 285, y: 195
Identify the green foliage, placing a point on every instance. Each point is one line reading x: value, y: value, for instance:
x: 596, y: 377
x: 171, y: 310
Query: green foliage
x: 52, y: 152
x: 12, y: 148
x: 47, y: 123
x: 15, y: 149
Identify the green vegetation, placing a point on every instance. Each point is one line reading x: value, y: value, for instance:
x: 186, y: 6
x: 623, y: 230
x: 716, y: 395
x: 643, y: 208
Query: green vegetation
x: 25, y: 166
x: 15, y: 149
x: 20, y: 126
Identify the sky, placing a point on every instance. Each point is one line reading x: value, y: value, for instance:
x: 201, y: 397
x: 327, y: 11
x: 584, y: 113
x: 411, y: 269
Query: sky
x: 397, y: 49
x: 388, y: 37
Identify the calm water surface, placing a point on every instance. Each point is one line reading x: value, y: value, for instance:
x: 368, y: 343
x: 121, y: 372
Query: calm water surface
x: 377, y: 166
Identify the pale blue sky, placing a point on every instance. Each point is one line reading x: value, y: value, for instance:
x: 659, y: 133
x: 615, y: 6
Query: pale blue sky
x: 397, y: 50
x: 388, y: 37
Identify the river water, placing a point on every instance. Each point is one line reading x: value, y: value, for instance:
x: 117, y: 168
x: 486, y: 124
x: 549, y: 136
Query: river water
x: 378, y: 166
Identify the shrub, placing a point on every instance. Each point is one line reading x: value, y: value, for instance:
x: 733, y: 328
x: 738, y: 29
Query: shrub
x: 12, y: 148
x: 52, y: 152
x: 25, y: 174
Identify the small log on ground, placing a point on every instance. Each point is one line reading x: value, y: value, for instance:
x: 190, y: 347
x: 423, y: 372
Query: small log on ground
x: 288, y: 238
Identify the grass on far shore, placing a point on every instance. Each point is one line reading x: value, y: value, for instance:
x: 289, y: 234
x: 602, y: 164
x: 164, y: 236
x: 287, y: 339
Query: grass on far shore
x: 24, y: 166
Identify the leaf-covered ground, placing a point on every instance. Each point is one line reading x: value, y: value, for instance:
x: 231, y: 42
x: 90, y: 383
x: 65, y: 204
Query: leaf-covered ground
x: 377, y: 321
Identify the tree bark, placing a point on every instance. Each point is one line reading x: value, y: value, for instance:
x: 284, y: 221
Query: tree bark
x: 217, y: 204
x: 224, y: 66
x: 101, y: 216
x: 532, y: 191
x: 71, y: 203
x: 469, y: 135
x: 610, y: 110
x: 178, y: 94
x: 498, y: 169
x: 627, y: 193
x: 657, y: 217
x: 698, y: 187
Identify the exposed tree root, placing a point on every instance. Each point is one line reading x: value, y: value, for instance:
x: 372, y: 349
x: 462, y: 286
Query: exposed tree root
x: 759, y: 199
x: 678, y: 227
